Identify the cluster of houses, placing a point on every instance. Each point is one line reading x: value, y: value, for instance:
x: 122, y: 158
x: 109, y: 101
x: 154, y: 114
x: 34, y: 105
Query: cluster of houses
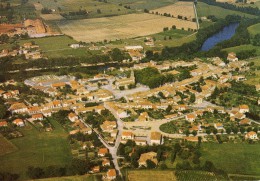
x: 155, y: 138
x: 29, y: 50
x: 137, y: 104
x: 135, y: 52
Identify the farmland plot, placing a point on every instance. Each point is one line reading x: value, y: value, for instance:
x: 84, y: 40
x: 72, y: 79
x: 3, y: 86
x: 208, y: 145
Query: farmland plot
x: 184, y: 9
x: 120, y: 27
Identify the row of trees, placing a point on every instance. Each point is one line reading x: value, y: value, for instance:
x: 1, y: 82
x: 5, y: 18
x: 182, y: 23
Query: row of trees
x: 76, y: 167
x: 46, y: 11
x: 5, y: 176
x: 115, y: 55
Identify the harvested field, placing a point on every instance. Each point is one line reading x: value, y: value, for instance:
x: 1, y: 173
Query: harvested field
x: 120, y: 27
x: 6, y: 146
x: 151, y: 175
x: 184, y: 9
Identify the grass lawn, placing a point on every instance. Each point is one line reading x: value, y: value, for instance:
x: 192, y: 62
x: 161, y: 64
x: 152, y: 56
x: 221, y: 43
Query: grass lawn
x: 204, y: 9
x: 37, y: 149
x: 72, y: 178
x: 240, y: 158
x: 57, y: 46
x: 169, y: 127
x: 254, y: 29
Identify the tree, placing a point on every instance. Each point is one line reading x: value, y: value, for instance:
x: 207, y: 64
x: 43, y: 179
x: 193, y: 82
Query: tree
x: 35, y: 172
x: 185, y: 74
x: 165, y: 29
x: 194, y: 133
x: 199, y: 140
x: 78, y: 166
x: 187, y: 132
x: 78, y: 76
x: 215, y: 131
x: 159, y: 154
x: 242, y: 130
x: 256, y: 40
x: 208, y: 131
x: 146, y: 10
x: 163, y: 166
x: 209, y: 166
x: 150, y: 164
x: 228, y: 130
x: 4, y: 38
x: 177, y: 147
x: 192, y: 98
x: 168, y: 109
x: 2, y: 111
x: 149, y: 54
x: 117, y: 55
x: 8, y: 176
x: 235, y: 130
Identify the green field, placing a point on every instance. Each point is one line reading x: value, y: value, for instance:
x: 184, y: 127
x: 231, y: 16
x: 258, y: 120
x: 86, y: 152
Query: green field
x: 255, y: 29
x: 242, y: 48
x: 170, y: 175
x: 66, y: 6
x: 148, y: 4
x: 254, y: 79
x: 191, y: 175
x: 6, y: 146
x: 57, y: 46
x: 150, y: 175
x: 72, y: 178
x: 37, y: 149
x: 240, y: 158
x: 204, y: 9
x: 179, y: 37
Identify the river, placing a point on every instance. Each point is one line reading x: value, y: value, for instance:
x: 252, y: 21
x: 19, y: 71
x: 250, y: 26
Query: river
x: 225, y: 34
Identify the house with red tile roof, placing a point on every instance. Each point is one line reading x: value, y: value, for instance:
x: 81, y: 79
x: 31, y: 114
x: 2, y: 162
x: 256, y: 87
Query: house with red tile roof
x: 102, y: 152
x: 251, y: 135
x: 18, y: 122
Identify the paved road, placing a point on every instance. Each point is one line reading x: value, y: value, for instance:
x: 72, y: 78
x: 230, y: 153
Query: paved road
x: 113, y: 150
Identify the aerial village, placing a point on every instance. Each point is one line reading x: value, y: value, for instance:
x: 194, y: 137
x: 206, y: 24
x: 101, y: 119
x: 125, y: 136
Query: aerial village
x: 116, y: 110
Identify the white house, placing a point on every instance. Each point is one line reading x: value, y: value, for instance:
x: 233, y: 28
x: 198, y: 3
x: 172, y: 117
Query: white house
x: 127, y: 135
x: 156, y: 138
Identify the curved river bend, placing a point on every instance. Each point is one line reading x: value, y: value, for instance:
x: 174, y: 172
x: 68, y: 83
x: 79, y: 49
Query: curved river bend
x: 225, y: 34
